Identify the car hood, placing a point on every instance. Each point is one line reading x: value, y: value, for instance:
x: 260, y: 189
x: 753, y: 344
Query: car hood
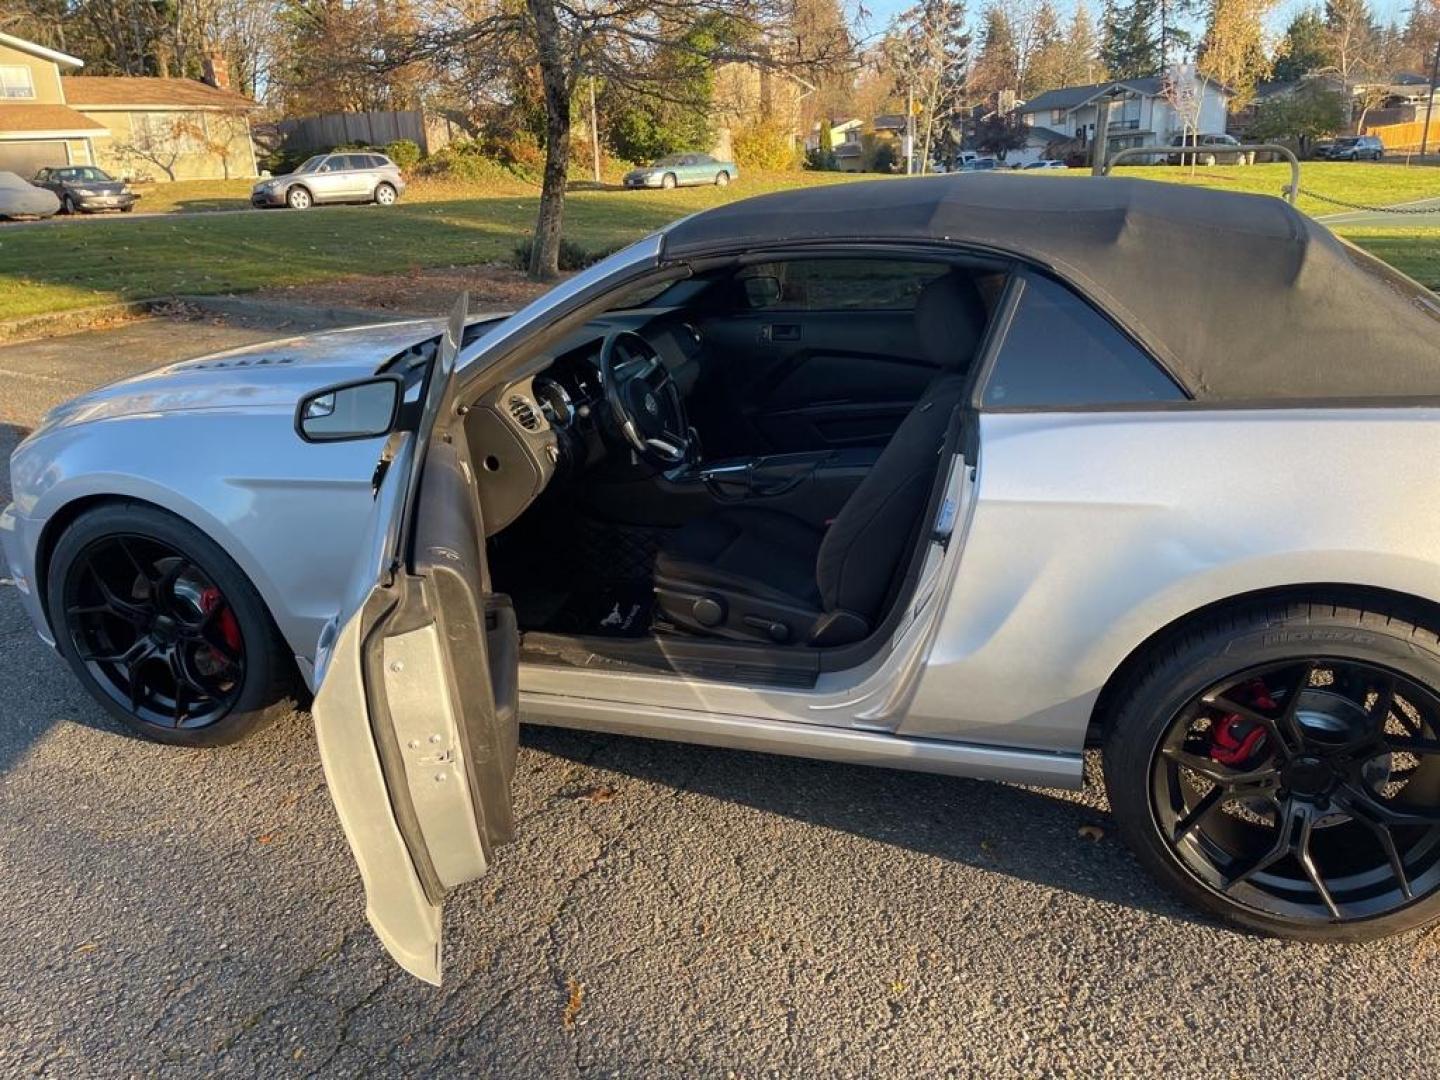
x: 260, y: 376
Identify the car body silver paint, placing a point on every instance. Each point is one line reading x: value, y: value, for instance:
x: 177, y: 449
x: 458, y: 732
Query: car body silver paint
x: 1091, y: 531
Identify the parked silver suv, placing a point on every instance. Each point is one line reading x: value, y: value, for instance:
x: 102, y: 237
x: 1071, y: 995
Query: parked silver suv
x: 351, y: 177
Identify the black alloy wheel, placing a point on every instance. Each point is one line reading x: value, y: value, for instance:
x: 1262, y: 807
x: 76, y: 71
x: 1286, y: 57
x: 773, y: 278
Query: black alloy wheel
x: 1305, y: 790
x: 1279, y: 767
x: 164, y: 629
x: 155, y: 631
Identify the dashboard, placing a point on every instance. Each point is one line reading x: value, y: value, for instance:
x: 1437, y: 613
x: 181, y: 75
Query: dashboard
x: 552, y: 425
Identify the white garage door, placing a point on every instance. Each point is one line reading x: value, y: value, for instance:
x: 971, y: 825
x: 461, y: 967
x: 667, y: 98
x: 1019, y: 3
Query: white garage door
x: 28, y: 158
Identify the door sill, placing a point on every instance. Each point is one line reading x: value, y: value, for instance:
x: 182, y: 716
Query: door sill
x: 847, y: 745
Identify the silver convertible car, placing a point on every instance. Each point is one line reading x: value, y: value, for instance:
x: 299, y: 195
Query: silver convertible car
x: 963, y: 476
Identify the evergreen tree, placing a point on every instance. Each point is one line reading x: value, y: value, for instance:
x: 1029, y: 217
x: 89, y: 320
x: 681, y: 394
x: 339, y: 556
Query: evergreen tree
x: 1045, y: 66
x: 997, y: 67
x: 1304, y: 48
x: 1082, y: 50
x: 1130, y: 44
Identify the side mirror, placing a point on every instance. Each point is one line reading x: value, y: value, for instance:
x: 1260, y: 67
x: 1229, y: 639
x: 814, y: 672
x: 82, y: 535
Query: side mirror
x: 761, y: 292
x: 358, y: 410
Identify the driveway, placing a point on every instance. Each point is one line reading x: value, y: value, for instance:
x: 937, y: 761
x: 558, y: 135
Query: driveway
x: 666, y: 910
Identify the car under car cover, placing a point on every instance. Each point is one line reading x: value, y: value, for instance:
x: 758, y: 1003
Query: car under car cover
x: 1242, y: 298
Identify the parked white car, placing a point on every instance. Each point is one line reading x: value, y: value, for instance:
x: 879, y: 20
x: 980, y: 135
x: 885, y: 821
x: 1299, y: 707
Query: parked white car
x: 20, y: 198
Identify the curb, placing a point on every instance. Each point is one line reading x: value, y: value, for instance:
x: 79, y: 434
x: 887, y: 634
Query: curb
x: 56, y: 323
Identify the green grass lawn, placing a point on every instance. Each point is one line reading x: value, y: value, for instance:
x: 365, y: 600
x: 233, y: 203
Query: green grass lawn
x: 82, y: 263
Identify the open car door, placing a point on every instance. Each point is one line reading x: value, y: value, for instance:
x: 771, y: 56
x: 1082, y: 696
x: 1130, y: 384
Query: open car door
x: 415, y: 709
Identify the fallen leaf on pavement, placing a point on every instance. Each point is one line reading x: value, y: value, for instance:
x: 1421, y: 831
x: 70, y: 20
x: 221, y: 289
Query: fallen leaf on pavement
x: 574, y: 1001
x: 1092, y: 832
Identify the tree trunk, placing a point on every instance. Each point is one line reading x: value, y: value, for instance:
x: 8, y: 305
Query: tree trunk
x: 545, y: 251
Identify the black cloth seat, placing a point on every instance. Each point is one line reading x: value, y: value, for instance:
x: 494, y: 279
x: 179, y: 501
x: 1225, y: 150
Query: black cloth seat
x: 749, y: 573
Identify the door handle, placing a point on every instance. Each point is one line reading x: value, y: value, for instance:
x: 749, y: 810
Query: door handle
x: 780, y: 332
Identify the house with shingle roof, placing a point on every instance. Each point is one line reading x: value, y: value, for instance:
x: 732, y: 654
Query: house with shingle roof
x: 177, y: 129
x: 1140, y: 115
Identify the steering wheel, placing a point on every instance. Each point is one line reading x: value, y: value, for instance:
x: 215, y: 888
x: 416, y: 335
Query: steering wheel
x: 644, y: 400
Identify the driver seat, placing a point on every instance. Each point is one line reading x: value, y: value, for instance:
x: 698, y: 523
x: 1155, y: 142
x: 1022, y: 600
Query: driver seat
x: 748, y: 573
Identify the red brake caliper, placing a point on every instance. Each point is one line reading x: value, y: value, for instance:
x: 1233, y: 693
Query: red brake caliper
x: 1235, y: 739
x: 226, y: 623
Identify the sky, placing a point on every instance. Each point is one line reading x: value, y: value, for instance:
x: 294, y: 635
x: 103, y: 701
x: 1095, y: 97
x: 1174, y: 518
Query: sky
x: 882, y: 11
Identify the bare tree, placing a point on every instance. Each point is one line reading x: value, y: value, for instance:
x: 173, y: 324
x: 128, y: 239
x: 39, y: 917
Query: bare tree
x: 928, y: 49
x: 570, y: 41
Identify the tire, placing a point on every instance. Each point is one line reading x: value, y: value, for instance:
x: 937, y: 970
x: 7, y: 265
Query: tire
x: 129, y: 537
x: 298, y: 198
x: 1207, y: 160
x: 722, y: 178
x: 1139, y: 745
x: 67, y: 205
x: 668, y: 181
x: 127, y: 209
x: 385, y: 195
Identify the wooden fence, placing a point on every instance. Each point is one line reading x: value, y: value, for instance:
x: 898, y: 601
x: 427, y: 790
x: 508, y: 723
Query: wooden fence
x: 1406, y: 138
x: 316, y: 133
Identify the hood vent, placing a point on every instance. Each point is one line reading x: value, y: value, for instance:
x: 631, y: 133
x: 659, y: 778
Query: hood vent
x: 524, y: 412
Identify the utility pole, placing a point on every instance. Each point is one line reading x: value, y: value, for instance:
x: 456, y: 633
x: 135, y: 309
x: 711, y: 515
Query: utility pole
x: 909, y: 128
x: 1430, y: 102
x: 1102, y: 137
x: 594, y: 132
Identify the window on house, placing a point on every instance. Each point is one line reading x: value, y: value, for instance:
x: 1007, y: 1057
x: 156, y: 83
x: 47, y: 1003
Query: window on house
x: 16, y: 81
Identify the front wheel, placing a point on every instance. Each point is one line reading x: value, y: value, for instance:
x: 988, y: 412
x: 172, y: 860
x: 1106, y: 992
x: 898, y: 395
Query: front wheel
x: 668, y: 181
x: 164, y: 629
x: 297, y: 198
x: 1279, y: 767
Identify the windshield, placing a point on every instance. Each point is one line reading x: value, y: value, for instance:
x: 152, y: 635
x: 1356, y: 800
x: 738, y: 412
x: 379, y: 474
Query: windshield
x: 82, y: 174
x: 311, y: 165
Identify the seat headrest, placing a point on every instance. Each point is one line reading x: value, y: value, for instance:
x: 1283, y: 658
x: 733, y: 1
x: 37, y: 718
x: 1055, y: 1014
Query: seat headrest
x: 950, y: 318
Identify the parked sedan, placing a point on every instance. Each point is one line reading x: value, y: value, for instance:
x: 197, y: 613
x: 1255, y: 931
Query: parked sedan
x: 1352, y: 148
x: 1212, y: 149
x: 351, y: 177
x: 86, y: 189
x: 683, y: 170
x: 1015, y: 491
x: 21, y: 199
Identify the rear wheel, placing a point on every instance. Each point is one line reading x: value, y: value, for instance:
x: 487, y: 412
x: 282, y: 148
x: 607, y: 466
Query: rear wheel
x: 385, y: 195
x: 164, y: 629
x: 1280, y: 768
x: 297, y: 198
x: 722, y: 178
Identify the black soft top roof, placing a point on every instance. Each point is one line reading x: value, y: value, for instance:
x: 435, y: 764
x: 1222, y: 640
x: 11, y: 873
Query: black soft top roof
x: 1242, y: 297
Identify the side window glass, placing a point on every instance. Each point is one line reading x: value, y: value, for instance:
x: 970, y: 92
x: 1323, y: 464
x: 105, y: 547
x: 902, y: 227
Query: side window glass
x: 1059, y: 351
x: 837, y: 284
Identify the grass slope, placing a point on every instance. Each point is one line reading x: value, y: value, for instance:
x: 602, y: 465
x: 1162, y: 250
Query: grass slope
x: 75, y: 264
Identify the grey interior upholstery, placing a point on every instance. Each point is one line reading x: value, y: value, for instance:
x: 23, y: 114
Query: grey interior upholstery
x: 754, y: 574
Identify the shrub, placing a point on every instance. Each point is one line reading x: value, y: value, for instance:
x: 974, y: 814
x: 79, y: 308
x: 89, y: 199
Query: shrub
x: 572, y: 255
x: 404, y: 152
x: 766, y: 146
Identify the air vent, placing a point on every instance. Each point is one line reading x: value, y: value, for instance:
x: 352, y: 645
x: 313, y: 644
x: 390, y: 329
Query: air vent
x: 524, y: 412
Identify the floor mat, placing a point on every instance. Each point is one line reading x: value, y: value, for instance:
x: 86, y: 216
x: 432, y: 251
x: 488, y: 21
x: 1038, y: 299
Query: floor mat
x: 620, y: 610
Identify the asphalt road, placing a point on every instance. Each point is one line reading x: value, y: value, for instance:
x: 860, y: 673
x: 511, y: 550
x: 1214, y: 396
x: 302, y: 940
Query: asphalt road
x: 666, y: 910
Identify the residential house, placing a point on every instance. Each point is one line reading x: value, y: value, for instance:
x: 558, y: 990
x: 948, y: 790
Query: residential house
x: 1140, y: 114
x: 179, y: 129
